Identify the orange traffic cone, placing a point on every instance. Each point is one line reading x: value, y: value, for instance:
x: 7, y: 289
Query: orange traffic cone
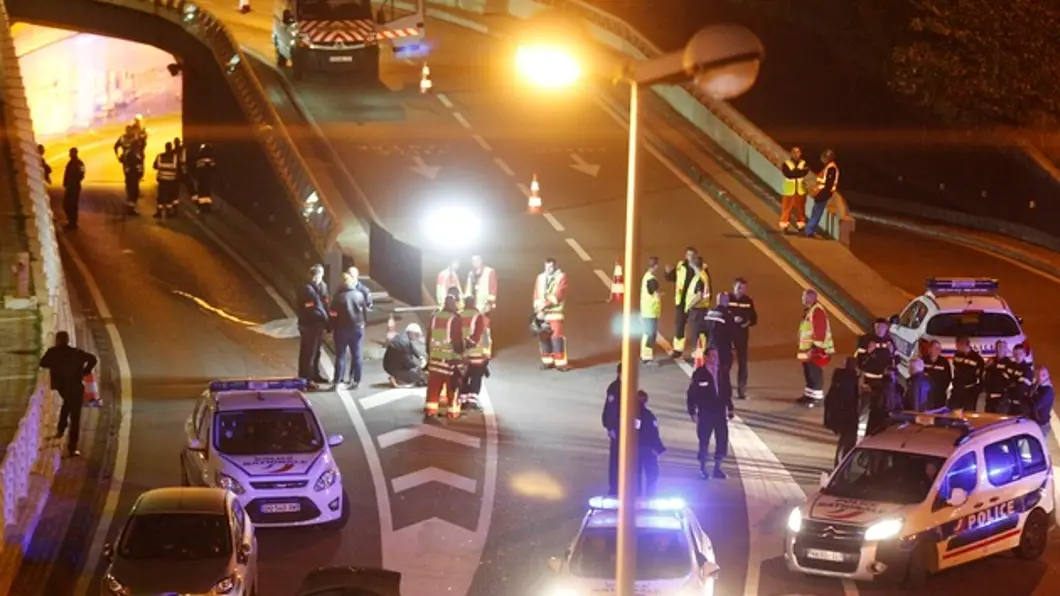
x: 425, y: 79
x: 244, y: 6
x: 617, y: 285
x: 533, y: 202
x: 91, y: 391
x: 391, y: 328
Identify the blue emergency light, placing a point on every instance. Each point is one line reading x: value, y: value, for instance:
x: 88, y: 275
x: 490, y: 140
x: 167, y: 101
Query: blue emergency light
x: 259, y: 385
x: 662, y: 504
x: 962, y: 285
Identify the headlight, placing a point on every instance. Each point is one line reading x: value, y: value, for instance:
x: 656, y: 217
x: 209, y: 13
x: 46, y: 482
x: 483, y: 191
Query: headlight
x: 326, y: 479
x: 884, y: 530
x: 114, y: 586
x: 226, y: 585
x: 228, y: 483
x: 563, y: 591
x: 795, y: 521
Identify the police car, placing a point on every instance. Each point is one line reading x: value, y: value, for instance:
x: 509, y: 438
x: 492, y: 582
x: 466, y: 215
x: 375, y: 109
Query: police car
x: 951, y: 308
x: 931, y: 492
x: 261, y: 440
x: 674, y: 555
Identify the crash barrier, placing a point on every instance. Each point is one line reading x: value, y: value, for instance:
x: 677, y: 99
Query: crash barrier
x: 30, y: 460
x: 742, y: 140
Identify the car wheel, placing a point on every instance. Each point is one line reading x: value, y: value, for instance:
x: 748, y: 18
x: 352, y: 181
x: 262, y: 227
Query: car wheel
x: 921, y: 562
x: 344, y: 517
x: 1035, y: 536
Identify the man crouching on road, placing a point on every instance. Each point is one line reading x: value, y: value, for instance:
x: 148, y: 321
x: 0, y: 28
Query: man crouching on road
x: 402, y: 362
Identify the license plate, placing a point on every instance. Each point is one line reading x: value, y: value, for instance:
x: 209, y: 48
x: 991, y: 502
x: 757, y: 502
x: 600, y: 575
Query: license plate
x: 281, y: 508
x: 341, y: 58
x: 824, y: 555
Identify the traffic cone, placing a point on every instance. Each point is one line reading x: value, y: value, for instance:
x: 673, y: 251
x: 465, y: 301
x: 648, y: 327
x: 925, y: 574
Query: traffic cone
x: 391, y: 328
x: 533, y: 203
x: 244, y: 6
x: 425, y: 79
x: 91, y: 390
x: 617, y: 285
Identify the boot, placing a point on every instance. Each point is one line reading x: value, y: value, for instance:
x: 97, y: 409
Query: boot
x: 718, y: 473
x: 703, y: 470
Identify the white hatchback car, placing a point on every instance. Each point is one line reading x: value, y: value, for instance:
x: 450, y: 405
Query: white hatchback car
x: 262, y: 440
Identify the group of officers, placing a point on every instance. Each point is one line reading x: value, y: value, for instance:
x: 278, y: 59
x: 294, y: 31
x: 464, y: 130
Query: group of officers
x: 173, y: 171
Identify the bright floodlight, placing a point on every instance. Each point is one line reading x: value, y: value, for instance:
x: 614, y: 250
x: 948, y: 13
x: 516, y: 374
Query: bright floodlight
x: 551, y: 67
x: 452, y: 227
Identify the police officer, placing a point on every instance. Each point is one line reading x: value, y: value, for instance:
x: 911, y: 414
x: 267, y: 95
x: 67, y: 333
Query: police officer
x: 205, y: 167
x: 1021, y: 379
x: 168, y: 166
x: 742, y: 307
x: 697, y: 301
x: 73, y: 176
x: 875, y: 352
x: 682, y: 276
x: 721, y: 332
x: 183, y: 167
x: 132, y: 165
x: 968, y: 371
x: 313, y: 321
x: 610, y: 420
x: 650, y: 310
x: 650, y: 446
x: 68, y: 366
x: 996, y: 382
x: 711, y: 410
x: 940, y: 372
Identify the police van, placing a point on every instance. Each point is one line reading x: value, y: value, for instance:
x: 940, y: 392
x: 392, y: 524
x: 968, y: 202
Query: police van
x: 261, y: 440
x: 675, y: 557
x: 932, y: 491
x: 951, y: 308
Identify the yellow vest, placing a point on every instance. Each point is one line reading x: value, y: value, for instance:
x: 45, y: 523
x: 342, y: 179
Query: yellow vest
x: 703, y: 280
x: 682, y: 273
x: 468, y: 316
x: 650, y: 304
x: 441, y: 348
x: 806, y: 334
x: 798, y: 186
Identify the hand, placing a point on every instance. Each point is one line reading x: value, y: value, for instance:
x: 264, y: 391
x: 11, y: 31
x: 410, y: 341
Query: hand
x: 694, y: 417
x: 739, y: 319
x: 612, y: 434
x: 732, y: 414
x: 668, y: 269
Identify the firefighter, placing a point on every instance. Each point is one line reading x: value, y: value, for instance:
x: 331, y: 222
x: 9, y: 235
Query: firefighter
x: 73, y: 176
x: 697, y: 301
x: 167, y: 163
x: 875, y: 352
x: 1020, y: 379
x: 711, y: 410
x: 996, y: 379
x: 205, y: 173
x: 447, y: 280
x: 139, y: 133
x: 183, y: 177
x: 968, y: 371
x: 682, y: 276
x: 125, y: 142
x: 742, y: 306
x: 550, y: 295
x: 132, y: 165
x: 827, y: 185
x: 721, y: 332
x: 473, y: 328
x: 940, y: 371
x: 815, y: 348
x: 444, y: 356
x: 610, y: 418
x: 650, y: 310
x: 482, y: 287
x: 793, y: 200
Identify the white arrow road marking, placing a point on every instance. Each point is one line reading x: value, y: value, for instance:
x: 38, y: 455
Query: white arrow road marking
x: 391, y: 395
x: 403, y: 435
x: 583, y: 166
x: 432, y: 474
x: 421, y: 168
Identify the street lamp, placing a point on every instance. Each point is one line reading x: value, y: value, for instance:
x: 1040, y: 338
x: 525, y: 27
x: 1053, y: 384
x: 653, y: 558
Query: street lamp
x: 723, y: 62
x: 452, y: 226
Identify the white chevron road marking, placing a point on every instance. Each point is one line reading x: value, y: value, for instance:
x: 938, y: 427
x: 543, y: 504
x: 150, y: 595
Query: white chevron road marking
x: 432, y: 474
x: 390, y: 396
x: 403, y: 435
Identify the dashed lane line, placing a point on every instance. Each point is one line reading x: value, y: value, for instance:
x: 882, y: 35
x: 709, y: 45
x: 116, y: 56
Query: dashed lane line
x: 445, y: 100
x: 390, y: 396
x: 551, y: 219
x: 503, y: 165
x: 482, y: 143
x: 460, y: 118
x: 403, y: 435
x: 602, y: 275
x: 523, y: 188
x: 432, y: 474
x: 578, y: 250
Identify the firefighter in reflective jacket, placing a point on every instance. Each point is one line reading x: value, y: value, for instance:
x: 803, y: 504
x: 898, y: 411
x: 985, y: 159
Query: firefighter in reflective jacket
x: 205, y: 173
x: 793, y: 194
x: 875, y: 354
x: 550, y: 294
x: 444, y: 360
x: 482, y: 288
x: 448, y: 279
x: 682, y: 277
x: 168, y: 165
x: 650, y: 310
x: 124, y: 143
x: 132, y: 165
x: 473, y: 326
x: 697, y: 301
x: 815, y: 348
x: 827, y: 185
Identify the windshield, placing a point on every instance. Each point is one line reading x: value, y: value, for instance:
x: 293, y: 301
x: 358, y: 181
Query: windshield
x: 973, y: 324
x: 181, y: 536
x: 333, y: 10
x: 661, y: 554
x: 267, y: 432
x: 885, y: 476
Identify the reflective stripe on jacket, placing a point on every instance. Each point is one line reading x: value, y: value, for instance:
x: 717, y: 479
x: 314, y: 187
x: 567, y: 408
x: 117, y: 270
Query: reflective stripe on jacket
x: 550, y: 293
x: 650, y: 304
x: 794, y: 186
x: 446, y: 279
x: 822, y: 178
x: 483, y: 288
x: 167, y: 167
x: 473, y: 324
x: 807, y: 339
x: 700, y: 285
x: 442, y: 336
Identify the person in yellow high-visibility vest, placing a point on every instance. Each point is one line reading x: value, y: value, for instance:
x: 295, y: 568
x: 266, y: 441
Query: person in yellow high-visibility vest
x: 682, y: 276
x: 815, y: 348
x: 650, y: 309
x: 698, y: 302
x: 793, y: 191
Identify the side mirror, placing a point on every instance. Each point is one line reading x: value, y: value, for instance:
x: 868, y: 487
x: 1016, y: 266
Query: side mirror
x: 1019, y: 319
x: 709, y: 569
x: 243, y: 556
x: 823, y: 480
x: 288, y: 16
x: 108, y: 552
x: 555, y: 564
x: 335, y: 440
x: 194, y: 444
x: 958, y: 497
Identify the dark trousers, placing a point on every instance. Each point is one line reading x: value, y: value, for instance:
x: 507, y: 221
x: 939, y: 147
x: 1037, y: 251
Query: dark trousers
x: 312, y: 341
x: 965, y: 398
x: 649, y: 471
x: 848, y: 439
x: 741, y: 344
x: 612, y: 468
x: 409, y: 377
x: 815, y: 216
x: 348, y: 342
x: 132, y: 189
x: 680, y: 322
x: 70, y: 415
x: 698, y: 319
x: 997, y: 404
x: 724, y: 372
x: 716, y: 424
x: 72, y: 204
x: 647, y: 339
x: 472, y: 383
x: 814, y: 377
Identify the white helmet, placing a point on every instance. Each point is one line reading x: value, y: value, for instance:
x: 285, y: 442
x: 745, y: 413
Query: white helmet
x: 414, y: 329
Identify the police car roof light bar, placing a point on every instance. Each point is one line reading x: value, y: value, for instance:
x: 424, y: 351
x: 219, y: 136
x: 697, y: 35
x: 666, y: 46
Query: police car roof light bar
x: 659, y: 504
x: 942, y: 418
x: 962, y: 285
x: 259, y: 385
x: 992, y: 426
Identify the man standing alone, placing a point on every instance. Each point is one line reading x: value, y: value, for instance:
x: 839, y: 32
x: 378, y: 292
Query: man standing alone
x: 73, y: 176
x: 68, y: 366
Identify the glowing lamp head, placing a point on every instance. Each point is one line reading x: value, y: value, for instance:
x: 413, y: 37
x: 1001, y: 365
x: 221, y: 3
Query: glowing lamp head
x: 548, y: 66
x: 452, y: 227
x: 723, y: 60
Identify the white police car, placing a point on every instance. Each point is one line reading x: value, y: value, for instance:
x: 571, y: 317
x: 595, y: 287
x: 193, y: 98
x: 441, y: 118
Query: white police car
x: 955, y: 307
x: 674, y: 555
x: 261, y: 440
x: 931, y: 492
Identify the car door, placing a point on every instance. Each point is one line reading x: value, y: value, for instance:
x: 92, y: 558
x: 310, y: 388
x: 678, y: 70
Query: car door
x: 196, y: 461
x: 1018, y: 492
x: 243, y: 535
x: 950, y: 521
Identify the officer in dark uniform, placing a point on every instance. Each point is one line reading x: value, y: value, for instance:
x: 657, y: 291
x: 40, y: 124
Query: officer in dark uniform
x: 711, y: 410
x: 610, y: 419
x: 683, y: 275
x: 313, y: 322
x: 968, y: 370
x: 721, y: 334
x: 996, y: 383
x: 940, y: 372
x: 1021, y: 378
x: 205, y: 174
x: 73, y: 176
x: 875, y: 352
x: 132, y: 165
x: 68, y: 366
x: 742, y: 307
x: 649, y: 446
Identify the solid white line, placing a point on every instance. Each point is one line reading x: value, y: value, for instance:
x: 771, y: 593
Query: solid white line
x: 121, y: 458
x: 445, y: 100
x: 482, y: 142
x: 403, y: 435
x: 17, y: 377
x: 578, y: 249
x: 551, y: 219
x: 390, y: 396
x: 600, y: 273
x: 460, y: 118
x: 432, y: 474
x: 524, y: 188
x: 503, y: 166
